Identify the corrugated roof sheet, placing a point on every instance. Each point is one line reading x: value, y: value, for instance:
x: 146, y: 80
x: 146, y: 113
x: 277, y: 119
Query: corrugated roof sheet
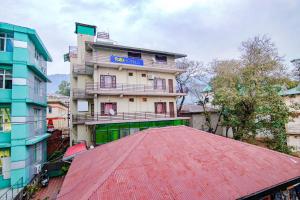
x: 292, y: 91
x: 74, y: 150
x: 175, y: 163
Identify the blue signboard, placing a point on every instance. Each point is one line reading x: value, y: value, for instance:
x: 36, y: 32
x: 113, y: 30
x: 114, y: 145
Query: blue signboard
x: 126, y: 60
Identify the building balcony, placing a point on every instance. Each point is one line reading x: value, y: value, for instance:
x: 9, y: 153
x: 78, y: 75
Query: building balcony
x: 78, y: 93
x: 145, y: 64
x: 98, y: 118
x: 82, y: 70
x: 130, y: 90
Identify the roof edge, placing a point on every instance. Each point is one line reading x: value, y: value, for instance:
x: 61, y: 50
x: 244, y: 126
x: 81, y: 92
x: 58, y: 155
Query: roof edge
x: 125, y: 47
x: 271, y: 189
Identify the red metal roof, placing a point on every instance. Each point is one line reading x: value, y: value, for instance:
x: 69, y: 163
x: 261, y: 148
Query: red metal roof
x: 175, y: 163
x: 74, y: 150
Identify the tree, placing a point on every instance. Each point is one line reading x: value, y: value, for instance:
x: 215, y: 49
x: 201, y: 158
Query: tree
x: 192, y: 72
x: 247, y: 91
x: 64, y: 88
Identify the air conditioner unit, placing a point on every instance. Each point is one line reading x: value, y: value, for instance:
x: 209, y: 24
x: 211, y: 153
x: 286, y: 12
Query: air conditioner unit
x: 37, y: 168
x: 150, y: 77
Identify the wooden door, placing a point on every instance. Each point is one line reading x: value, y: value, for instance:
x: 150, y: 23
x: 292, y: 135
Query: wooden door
x: 171, y: 108
x: 170, y: 83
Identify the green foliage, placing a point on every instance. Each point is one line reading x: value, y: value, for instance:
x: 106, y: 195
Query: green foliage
x: 65, y: 169
x: 64, y: 88
x: 246, y: 91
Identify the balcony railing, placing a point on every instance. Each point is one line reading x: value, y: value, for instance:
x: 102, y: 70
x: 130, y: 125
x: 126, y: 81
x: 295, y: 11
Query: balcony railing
x: 82, y: 69
x: 97, y: 57
x: 120, y: 116
x: 96, y: 87
x: 81, y: 94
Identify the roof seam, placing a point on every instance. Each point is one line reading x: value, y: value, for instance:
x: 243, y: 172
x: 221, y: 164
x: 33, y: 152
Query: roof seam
x: 109, y: 172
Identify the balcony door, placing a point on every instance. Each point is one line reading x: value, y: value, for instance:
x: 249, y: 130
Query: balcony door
x: 171, y: 108
x: 170, y: 83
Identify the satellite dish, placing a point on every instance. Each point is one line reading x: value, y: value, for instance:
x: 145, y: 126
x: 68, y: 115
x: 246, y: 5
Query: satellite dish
x: 111, y: 112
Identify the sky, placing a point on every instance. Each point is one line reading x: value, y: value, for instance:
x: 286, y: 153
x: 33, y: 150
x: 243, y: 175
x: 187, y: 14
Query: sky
x: 202, y: 29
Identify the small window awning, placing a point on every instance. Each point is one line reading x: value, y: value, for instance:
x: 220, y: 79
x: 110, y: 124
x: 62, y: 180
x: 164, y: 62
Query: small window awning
x: 74, y: 150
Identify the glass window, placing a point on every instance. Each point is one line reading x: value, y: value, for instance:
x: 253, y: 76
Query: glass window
x: 37, y: 86
x: 37, y: 153
x: 6, y: 42
x: 36, y: 118
x: 2, y: 44
x: 107, y: 81
x: 107, y: 108
x: 160, y: 58
x: 134, y: 55
x: 9, y: 45
x: 5, y: 79
x: 5, y: 123
x: 160, y: 107
x: 8, y: 80
x: 3, y: 154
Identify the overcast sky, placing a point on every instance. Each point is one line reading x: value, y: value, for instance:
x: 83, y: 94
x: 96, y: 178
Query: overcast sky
x: 202, y: 29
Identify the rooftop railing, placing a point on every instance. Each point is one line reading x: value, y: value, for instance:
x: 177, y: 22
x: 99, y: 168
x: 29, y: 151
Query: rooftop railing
x: 96, y: 87
x: 82, y: 69
x: 120, y: 116
x: 80, y: 93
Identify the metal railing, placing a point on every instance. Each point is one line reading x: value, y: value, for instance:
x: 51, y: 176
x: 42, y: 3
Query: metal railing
x: 78, y: 93
x: 82, y: 69
x: 13, y: 191
x: 97, y: 57
x: 92, y: 87
x: 81, y: 118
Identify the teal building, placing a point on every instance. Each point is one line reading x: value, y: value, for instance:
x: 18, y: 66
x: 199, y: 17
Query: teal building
x: 23, y: 102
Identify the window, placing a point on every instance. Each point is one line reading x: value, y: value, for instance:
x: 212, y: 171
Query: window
x: 130, y: 74
x: 82, y: 106
x: 134, y: 55
x: 108, y: 108
x: 144, y: 99
x: 5, y: 79
x: 5, y: 123
x: 6, y: 42
x: 161, y: 59
x: 4, y: 162
x: 160, y: 107
x: 131, y: 99
x: 143, y: 75
x: 37, y: 86
x: 92, y: 109
x: 107, y: 81
x: 159, y: 83
x: 36, y: 118
x: 37, y: 153
x: 49, y: 109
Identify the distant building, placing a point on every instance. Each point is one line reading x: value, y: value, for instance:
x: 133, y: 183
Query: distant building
x: 292, y: 97
x: 180, y: 163
x: 58, y: 112
x: 198, y: 118
x: 117, y: 90
x: 23, y: 103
